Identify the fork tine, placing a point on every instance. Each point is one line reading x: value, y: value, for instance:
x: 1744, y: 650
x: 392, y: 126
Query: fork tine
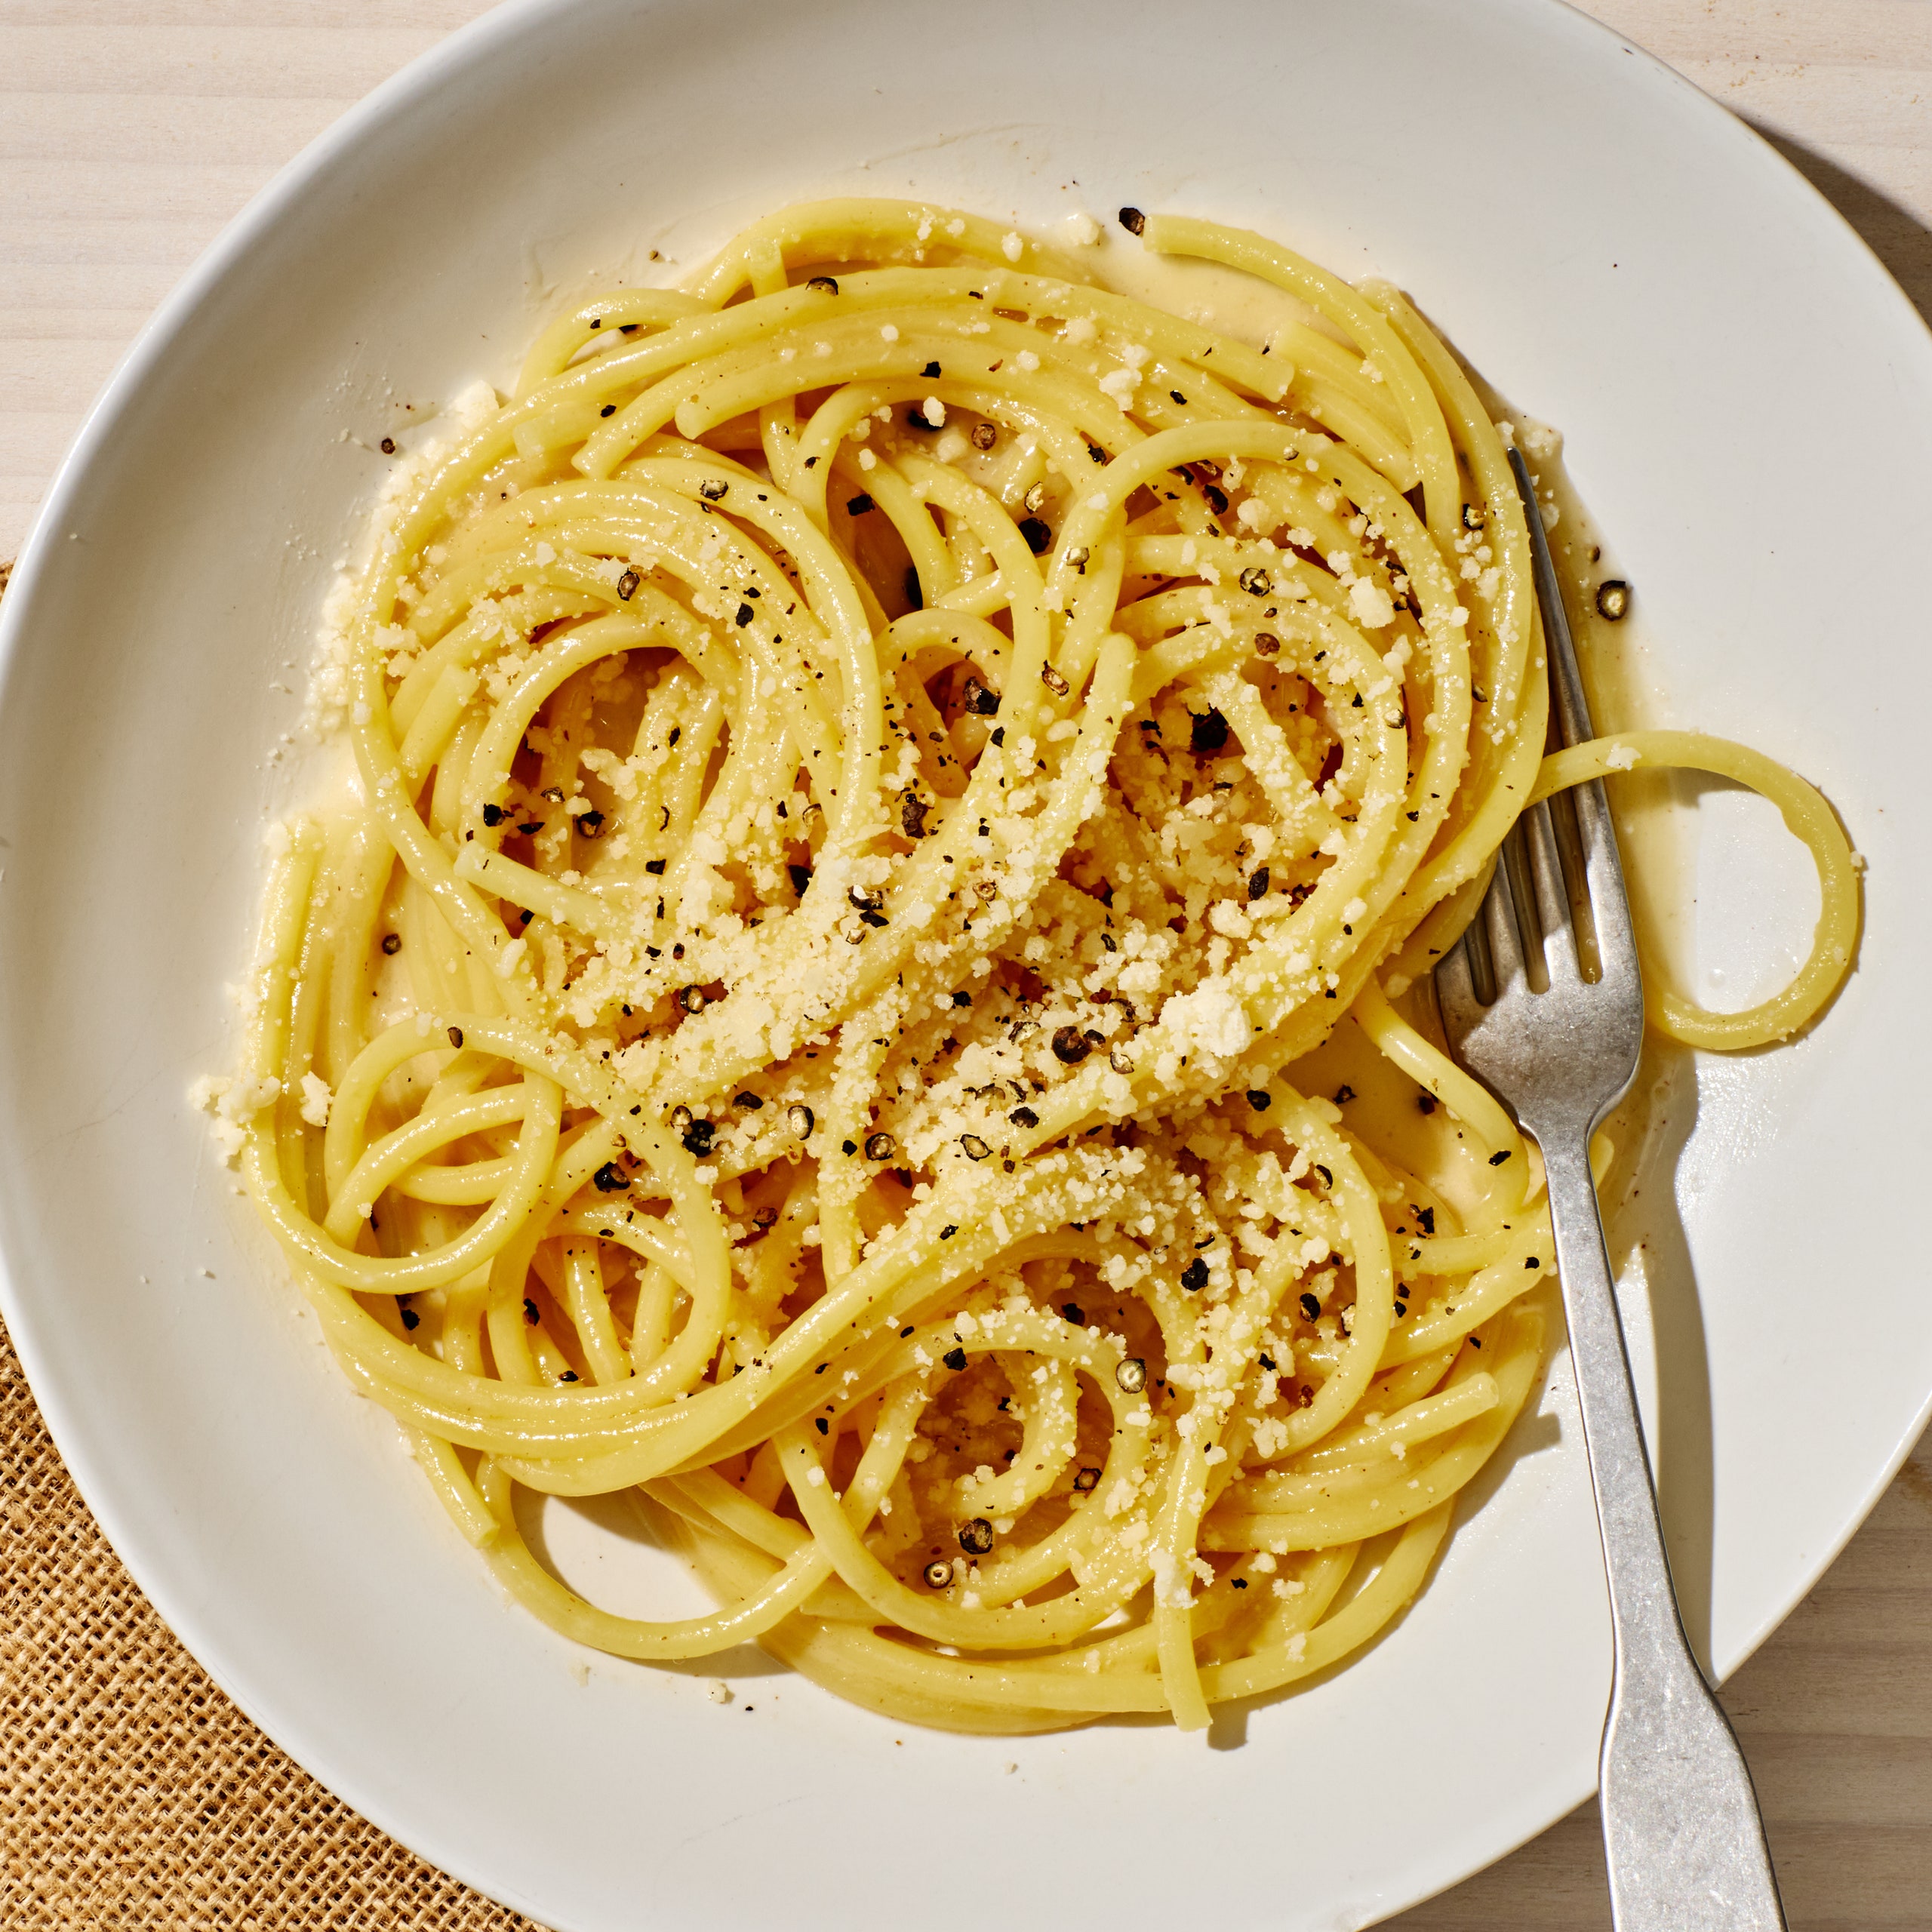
x: 1603, y: 872
x: 1455, y: 984
x: 1559, y: 938
x: 1566, y: 681
x: 1503, y: 930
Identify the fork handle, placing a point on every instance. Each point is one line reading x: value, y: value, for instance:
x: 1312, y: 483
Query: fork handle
x: 1682, y: 1836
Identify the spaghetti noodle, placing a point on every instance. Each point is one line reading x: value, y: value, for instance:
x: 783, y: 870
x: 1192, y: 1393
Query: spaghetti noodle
x: 864, y: 993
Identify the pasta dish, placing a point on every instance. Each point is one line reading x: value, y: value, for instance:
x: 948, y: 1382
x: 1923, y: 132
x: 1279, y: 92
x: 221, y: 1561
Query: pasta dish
x: 872, y: 987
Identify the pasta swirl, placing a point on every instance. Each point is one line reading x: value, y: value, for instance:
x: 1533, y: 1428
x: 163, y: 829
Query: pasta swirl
x: 864, y: 993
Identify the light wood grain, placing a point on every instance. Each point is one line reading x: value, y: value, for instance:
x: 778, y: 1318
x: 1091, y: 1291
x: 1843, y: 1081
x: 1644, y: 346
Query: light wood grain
x: 131, y: 134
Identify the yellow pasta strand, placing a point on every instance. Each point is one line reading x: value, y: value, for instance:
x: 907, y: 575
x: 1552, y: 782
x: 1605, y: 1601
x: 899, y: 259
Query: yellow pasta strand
x: 1807, y: 817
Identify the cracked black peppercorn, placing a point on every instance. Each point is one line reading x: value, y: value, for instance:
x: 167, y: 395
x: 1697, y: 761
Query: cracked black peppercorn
x: 1071, y: 1046
x: 1208, y: 732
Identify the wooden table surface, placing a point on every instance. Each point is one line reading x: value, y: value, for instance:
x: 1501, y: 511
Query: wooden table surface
x: 131, y: 130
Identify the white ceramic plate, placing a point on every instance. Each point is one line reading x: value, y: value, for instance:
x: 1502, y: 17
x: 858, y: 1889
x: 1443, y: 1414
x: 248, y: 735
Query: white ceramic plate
x: 1747, y: 400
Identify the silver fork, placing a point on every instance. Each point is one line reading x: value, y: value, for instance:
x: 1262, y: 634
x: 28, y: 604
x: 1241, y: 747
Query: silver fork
x: 1682, y: 1836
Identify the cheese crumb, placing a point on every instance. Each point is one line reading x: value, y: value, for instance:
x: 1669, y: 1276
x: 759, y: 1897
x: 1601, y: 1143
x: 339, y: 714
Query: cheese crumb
x: 316, y: 1098
x: 1371, y: 604
x: 233, y: 1103
x: 1210, y: 1019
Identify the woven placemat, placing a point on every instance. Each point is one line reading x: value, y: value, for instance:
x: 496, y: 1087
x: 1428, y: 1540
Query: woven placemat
x: 133, y: 1794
